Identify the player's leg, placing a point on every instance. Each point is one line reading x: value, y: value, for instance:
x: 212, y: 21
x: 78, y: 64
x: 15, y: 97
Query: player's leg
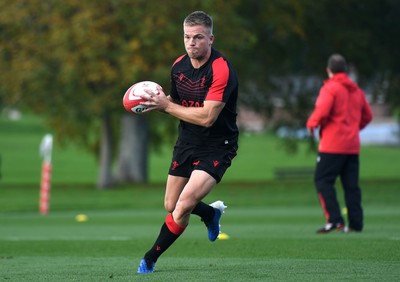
x: 174, y: 187
x: 327, y: 169
x: 198, y: 186
x: 214, y: 161
x: 180, y: 171
x: 352, y: 193
x: 178, y: 177
x: 209, y: 214
x: 170, y: 231
x: 206, y: 212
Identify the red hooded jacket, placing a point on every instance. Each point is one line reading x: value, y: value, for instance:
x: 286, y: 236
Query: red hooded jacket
x: 341, y: 111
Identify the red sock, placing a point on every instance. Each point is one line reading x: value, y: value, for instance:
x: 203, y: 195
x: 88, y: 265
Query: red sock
x: 173, y: 226
x: 170, y: 231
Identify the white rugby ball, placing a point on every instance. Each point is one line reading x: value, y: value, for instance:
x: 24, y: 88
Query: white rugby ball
x: 132, y: 100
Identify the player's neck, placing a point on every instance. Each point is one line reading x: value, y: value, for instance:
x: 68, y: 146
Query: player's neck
x: 197, y: 63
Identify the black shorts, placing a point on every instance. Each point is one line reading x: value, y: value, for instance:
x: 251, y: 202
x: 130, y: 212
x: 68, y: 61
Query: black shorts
x: 214, y: 160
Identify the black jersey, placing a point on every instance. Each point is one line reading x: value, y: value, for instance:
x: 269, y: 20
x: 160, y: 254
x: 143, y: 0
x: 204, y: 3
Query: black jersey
x: 215, y: 80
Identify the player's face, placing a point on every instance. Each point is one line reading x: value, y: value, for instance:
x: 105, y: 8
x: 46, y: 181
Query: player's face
x: 198, y: 41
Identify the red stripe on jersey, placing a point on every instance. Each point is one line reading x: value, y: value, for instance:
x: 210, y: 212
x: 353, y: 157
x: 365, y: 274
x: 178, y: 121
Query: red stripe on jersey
x: 177, y: 60
x: 220, y: 72
x: 173, y: 226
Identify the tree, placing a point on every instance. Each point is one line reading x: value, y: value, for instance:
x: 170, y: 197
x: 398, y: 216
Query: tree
x: 132, y: 160
x: 77, y: 58
x: 293, y: 40
x: 71, y: 61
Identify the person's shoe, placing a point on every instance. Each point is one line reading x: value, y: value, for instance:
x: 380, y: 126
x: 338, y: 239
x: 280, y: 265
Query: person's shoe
x: 348, y: 229
x: 213, y: 226
x: 146, y: 267
x: 330, y: 227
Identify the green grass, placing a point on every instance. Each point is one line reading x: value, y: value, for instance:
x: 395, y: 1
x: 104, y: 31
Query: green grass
x: 271, y: 228
x: 257, y: 158
x: 271, y: 223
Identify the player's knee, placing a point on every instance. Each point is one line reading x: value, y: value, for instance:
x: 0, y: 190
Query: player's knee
x: 184, y: 206
x: 169, y: 207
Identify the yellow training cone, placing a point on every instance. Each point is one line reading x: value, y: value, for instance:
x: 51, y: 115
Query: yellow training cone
x: 81, y: 218
x: 223, y: 236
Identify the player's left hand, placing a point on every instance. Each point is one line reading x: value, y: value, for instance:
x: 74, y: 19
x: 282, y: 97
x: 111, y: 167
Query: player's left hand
x: 311, y: 131
x: 155, y: 101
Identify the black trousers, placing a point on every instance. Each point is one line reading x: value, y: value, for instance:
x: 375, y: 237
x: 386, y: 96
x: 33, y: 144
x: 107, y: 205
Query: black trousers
x: 347, y: 167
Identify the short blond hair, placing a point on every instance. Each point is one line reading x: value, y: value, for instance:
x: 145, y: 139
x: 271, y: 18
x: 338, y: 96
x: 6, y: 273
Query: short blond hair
x: 199, y: 18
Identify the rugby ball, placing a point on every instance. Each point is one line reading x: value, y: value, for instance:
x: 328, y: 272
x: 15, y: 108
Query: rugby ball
x: 131, y: 99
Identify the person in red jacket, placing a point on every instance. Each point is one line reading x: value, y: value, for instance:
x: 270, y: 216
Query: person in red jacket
x: 340, y: 112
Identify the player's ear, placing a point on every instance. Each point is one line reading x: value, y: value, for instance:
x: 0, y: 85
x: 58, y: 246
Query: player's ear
x: 211, y: 39
x: 329, y: 72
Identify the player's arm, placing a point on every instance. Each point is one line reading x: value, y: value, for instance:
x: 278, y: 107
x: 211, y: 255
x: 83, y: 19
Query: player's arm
x: 203, y: 116
x: 366, y: 112
x: 321, y: 111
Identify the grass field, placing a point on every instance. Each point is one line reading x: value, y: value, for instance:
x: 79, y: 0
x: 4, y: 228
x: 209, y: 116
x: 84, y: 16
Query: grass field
x: 271, y: 223
x: 271, y: 228
x: 257, y: 158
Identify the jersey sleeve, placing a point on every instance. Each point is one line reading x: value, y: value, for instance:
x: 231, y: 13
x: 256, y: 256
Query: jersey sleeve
x: 217, y: 91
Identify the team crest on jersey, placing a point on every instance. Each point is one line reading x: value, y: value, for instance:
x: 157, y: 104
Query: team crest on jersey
x: 174, y: 165
x: 203, y: 79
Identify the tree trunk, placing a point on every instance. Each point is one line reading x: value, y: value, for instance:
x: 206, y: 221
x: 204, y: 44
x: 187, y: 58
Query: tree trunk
x: 105, y: 178
x: 133, y: 151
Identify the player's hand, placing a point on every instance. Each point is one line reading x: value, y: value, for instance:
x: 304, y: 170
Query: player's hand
x: 311, y: 131
x: 155, y: 101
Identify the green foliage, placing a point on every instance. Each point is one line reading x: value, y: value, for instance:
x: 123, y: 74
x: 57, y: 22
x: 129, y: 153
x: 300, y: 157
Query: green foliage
x: 71, y: 61
x: 393, y: 98
x: 298, y: 36
x: 295, y: 38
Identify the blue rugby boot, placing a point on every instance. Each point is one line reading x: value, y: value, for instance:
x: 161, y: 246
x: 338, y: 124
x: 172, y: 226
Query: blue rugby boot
x: 213, y: 226
x: 146, y: 267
